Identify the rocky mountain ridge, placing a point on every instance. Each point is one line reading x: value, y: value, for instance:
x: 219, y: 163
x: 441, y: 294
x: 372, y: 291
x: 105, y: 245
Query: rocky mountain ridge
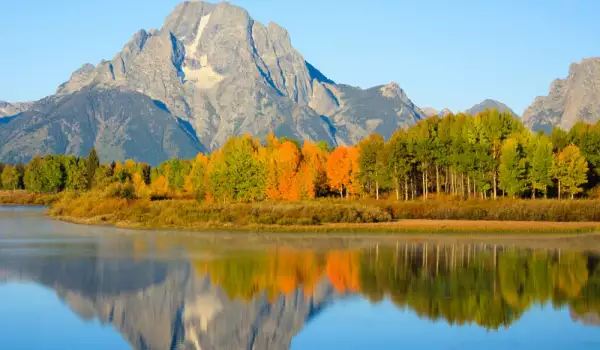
x: 570, y: 100
x: 217, y: 73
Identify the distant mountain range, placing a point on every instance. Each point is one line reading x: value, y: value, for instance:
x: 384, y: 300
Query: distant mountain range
x: 476, y: 109
x: 212, y: 72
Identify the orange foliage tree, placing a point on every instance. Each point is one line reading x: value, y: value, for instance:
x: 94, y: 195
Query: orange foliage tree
x: 339, y: 169
x: 313, y: 171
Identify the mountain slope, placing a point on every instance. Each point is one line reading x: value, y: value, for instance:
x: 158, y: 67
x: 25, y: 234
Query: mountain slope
x: 122, y: 125
x: 569, y: 100
x: 489, y: 104
x: 11, y: 109
x: 224, y: 74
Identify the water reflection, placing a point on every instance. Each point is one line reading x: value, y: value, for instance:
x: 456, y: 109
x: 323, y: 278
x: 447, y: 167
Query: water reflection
x: 161, y: 295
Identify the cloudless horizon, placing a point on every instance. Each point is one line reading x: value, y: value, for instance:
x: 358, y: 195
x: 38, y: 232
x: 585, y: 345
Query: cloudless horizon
x: 443, y: 54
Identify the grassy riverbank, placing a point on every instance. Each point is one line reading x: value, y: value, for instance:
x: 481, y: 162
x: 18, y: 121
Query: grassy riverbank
x: 335, y: 215
x: 21, y: 197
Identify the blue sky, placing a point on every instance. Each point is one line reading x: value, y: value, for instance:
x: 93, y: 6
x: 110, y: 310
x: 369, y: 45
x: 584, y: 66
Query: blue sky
x: 443, y: 53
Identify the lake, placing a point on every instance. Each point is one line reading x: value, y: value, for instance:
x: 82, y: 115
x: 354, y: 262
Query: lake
x: 65, y: 286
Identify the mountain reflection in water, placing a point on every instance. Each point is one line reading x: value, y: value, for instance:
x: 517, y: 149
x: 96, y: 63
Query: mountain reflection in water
x: 166, y: 296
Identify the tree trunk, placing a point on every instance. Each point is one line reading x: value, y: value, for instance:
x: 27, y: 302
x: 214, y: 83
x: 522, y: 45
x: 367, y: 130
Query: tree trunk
x: 397, y: 190
x: 495, y: 185
x: 377, y: 189
x: 437, y: 180
x: 462, y: 185
x: 426, y: 185
x: 446, y: 180
x: 423, y: 184
x: 533, y: 194
x: 469, y: 187
x: 559, y: 190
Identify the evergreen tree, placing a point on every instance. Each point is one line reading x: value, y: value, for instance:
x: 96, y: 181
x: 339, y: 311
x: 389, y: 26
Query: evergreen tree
x: 92, y: 164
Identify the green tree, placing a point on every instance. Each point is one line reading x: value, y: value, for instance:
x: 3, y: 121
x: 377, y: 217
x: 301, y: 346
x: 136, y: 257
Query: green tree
x: 33, y: 175
x: 238, y: 173
x: 560, y: 139
x: 11, y: 179
x: 77, y: 177
x: 92, y: 163
x: 512, y: 175
x: 399, y: 162
x: 540, y: 164
x: 372, y: 163
x: 569, y: 169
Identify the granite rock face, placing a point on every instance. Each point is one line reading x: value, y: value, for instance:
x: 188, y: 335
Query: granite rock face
x: 570, y: 100
x: 223, y: 74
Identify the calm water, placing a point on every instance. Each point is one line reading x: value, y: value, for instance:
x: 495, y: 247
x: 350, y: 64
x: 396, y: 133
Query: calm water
x: 66, y: 286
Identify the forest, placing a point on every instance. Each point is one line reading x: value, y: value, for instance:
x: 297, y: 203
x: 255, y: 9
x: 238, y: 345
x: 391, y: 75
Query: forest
x: 489, y: 155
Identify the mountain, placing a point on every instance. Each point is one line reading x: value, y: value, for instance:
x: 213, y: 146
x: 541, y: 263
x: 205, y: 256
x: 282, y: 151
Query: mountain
x: 120, y: 124
x: 489, y: 104
x: 11, y: 109
x: 211, y: 72
x: 430, y: 112
x: 569, y: 100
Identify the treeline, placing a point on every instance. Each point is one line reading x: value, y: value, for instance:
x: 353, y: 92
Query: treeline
x: 464, y: 284
x: 484, y: 156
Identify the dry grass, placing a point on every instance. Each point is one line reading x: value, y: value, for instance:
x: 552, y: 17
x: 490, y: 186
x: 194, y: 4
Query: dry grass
x: 334, y: 215
x: 27, y: 198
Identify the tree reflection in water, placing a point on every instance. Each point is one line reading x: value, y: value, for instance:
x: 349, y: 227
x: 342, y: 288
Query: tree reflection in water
x: 490, y: 286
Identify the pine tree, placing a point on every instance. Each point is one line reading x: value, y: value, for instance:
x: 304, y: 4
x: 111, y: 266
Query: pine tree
x: 92, y: 164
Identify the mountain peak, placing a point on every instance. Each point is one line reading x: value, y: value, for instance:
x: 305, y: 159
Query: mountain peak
x: 569, y: 100
x: 489, y: 104
x: 211, y: 72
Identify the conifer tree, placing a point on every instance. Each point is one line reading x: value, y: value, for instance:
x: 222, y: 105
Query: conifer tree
x: 92, y: 164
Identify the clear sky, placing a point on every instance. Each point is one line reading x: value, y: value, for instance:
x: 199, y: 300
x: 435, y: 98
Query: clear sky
x: 443, y: 53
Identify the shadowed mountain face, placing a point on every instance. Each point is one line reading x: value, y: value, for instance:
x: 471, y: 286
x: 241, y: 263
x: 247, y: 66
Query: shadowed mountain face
x: 220, y: 73
x: 569, y: 100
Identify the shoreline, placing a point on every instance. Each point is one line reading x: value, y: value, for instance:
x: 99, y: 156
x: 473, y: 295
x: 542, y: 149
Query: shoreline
x: 246, y: 238
x: 406, y: 226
